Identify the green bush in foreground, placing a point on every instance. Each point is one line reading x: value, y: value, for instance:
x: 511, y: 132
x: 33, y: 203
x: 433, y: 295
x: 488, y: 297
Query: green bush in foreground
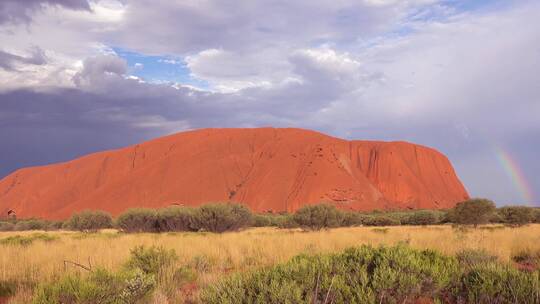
x: 89, y: 221
x: 133, y: 284
x: 100, y: 286
x: 151, y: 260
x: 378, y: 275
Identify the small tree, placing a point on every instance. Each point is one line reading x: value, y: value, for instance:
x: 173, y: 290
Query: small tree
x: 516, y: 215
x: 89, y: 221
x: 138, y: 220
x: 317, y: 217
x: 473, y: 212
x: 221, y: 217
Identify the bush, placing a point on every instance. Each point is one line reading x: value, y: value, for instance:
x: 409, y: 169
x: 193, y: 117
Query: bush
x: 536, y: 215
x: 89, y: 221
x: 31, y: 224
x: 381, y: 220
x: 494, y: 283
x: 421, y: 217
x: 175, y: 219
x: 134, y: 284
x: 138, y: 220
x: 151, y: 260
x: 287, y: 222
x: 317, y: 217
x: 516, y: 215
x: 473, y: 212
x: 359, y: 275
x: 353, y: 218
x: 378, y: 275
x: 99, y: 286
x: 262, y: 220
x: 221, y: 217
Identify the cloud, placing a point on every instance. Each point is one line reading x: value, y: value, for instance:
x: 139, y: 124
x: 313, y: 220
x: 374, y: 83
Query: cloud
x: 201, y: 25
x: 9, y: 61
x: 15, y: 11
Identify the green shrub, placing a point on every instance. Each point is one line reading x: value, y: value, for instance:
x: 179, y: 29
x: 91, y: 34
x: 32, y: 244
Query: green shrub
x: 221, y: 217
x: 287, y: 222
x: 99, y: 286
x: 516, y: 215
x: 317, y: 217
x: 473, y: 212
x: 175, y: 219
x: 353, y: 218
x: 31, y: 224
x: 55, y: 225
x: 138, y: 220
x: 262, y: 220
x: 150, y: 260
x: 133, y: 284
x: 270, y: 220
x: 380, y: 275
x: 380, y: 220
x: 359, y: 275
x: 494, y: 283
x: 421, y: 217
x: 89, y: 221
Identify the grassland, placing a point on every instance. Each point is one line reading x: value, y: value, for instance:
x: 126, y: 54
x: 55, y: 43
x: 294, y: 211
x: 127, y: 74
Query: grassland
x: 215, y: 256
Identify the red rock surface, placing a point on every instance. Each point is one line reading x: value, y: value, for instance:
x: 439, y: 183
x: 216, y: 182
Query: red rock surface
x: 265, y: 168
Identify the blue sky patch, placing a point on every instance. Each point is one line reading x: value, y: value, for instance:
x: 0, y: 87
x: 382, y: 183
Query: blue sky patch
x: 159, y: 69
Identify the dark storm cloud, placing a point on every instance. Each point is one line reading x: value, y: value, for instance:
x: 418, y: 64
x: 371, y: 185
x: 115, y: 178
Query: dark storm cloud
x: 10, y: 61
x: 13, y: 11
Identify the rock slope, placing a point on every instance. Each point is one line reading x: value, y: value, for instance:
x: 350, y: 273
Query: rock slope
x: 267, y: 169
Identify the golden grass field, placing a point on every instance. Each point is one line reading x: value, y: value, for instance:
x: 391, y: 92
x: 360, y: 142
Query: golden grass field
x: 225, y: 253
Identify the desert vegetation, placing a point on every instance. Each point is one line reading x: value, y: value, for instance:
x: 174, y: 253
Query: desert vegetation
x: 223, y: 217
x: 182, y: 255
x: 189, y: 267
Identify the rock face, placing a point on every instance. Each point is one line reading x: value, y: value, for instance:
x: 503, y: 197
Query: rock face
x: 267, y: 169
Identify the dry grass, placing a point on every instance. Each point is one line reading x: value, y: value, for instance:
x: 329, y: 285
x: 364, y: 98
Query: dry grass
x: 217, y: 254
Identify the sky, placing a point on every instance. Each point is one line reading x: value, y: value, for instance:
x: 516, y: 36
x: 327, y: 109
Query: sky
x: 80, y: 76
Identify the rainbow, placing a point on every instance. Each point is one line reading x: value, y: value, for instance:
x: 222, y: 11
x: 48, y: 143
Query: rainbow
x: 515, y: 173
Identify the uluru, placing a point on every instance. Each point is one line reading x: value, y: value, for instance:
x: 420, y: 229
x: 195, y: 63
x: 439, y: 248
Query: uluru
x: 267, y: 169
